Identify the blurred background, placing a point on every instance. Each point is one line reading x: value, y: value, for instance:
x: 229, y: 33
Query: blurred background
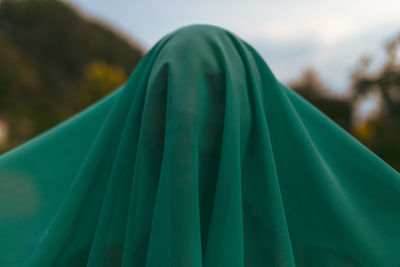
x: 58, y: 57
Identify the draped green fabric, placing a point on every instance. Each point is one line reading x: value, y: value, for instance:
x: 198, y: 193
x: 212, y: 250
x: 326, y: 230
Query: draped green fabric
x: 201, y: 159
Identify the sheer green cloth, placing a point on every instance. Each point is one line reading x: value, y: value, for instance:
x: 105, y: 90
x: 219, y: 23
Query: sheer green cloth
x: 201, y: 159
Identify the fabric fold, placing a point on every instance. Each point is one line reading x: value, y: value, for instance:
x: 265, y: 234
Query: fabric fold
x: 201, y: 159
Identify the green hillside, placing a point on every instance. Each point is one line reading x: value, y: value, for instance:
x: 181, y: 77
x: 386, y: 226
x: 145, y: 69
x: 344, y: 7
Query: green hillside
x: 53, y: 62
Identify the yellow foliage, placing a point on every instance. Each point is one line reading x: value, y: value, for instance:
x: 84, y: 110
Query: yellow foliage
x: 364, y: 131
x: 100, y: 79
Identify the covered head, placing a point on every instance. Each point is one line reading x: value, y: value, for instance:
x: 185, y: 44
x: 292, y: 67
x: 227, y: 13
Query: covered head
x: 201, y: 159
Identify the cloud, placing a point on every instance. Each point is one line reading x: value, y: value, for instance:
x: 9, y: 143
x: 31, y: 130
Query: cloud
x: 286, y: 57
x: 288, y: 51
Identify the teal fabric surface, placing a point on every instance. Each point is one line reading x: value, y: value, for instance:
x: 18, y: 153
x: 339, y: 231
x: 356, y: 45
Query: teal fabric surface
x: 201, y: 159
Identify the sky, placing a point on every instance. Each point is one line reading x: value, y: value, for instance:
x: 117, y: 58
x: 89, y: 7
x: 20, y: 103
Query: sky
x: 291, y: 35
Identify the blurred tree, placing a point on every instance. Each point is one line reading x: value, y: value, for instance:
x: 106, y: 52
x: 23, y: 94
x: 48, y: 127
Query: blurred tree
x: 19, y: 86
x: 310, y: 86
x: 384, y: 137
x: 99, y: 80
x: 46, y: 48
